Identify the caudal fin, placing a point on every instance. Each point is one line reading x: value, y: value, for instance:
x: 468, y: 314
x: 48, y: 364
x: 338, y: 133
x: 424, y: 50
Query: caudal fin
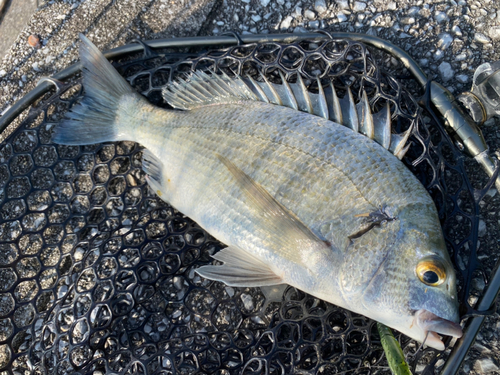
x: 93, y: 119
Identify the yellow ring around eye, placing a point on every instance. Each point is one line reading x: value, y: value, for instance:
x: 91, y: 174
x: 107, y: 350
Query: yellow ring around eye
x: 431, y: 271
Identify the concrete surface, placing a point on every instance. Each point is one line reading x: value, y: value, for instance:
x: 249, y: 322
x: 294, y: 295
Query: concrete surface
x: 14, y: 16
x: 449, y: 39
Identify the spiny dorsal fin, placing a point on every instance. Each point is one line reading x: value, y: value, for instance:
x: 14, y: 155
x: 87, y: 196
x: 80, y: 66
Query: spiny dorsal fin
x: 334, y: 109
x: 258, y: 90
x: 382, y: 126
x: 302, y: 95
x: 288, y: 93
x: 398, y: 143
x: 365, y: 117
x: 321, y: 104
x: 270, y: 91
x: 349, y: 112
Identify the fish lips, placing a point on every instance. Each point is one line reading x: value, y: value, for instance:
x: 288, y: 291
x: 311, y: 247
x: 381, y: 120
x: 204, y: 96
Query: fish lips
x: 432, y: 325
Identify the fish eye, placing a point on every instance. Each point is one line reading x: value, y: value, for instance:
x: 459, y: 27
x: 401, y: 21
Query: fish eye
x: 431, y: 271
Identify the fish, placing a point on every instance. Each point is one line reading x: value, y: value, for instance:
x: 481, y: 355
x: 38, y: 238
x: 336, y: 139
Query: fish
x: 297, y: 198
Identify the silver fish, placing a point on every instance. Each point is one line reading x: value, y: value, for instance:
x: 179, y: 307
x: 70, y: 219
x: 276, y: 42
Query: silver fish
x: 298, y: 199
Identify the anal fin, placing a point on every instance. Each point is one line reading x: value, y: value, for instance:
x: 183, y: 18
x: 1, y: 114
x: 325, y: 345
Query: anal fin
x: 240, y: 269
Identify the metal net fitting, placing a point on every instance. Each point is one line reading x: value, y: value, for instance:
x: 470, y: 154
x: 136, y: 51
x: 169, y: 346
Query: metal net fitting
x: 98, y: 274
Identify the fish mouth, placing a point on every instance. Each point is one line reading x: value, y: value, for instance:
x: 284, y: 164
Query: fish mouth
x: 433, y: 326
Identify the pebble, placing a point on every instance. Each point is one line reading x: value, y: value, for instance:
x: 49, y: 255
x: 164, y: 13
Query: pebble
x: 229, y: 291
x: 256, y: 18
x: 438, y: 55
x: 341, y: 17
x: 481, y: 231
x: 444, y: 40
x: 247, y: 301
x: 485, y: 365
x: 264, y: 3
x: 320, y: 6
x: 34, y: 41
x: 392, y: 6
x: 3, y: 73
x: 343, y: 4
x: 359, y: 6
x: 424, y: 62
x: 461, y: 57
x: 481, y: 38
x: 494, y: 32
x: 413, y: 11
x: 314, y: 24
x: 309, y: 14
x: 456, y: 30
x: 492, y: 192
x: 446, y: 71
x: 440, y: 17
x: 478, y: 283
x: 463, y: 78
x: 285, y: 24
x: 407, y: 20
x: 298, y: 12
x: 300, y: 30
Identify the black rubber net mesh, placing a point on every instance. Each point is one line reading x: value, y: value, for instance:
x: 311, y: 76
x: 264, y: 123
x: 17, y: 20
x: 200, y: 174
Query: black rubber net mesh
x: 98, y: 274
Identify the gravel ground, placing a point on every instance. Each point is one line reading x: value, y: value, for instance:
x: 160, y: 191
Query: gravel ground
x: 449, y: 40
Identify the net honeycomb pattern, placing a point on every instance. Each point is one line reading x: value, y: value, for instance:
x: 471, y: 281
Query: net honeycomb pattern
x: 97, y: 274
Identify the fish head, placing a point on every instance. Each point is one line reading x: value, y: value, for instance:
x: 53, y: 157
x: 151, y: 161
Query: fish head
x: 432, y: 291
x: 414, y: 286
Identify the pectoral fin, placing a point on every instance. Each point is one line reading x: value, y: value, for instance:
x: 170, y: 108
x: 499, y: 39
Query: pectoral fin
x: 282, y: 227
x: 239, y: 269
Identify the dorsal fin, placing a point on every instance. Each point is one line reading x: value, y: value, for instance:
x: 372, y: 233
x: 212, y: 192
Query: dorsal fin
x: 202, y: 89
x: 349, y: 112
x: 398, y: 143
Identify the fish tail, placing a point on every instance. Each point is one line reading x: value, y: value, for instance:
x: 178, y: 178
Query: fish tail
x: 93, y: 119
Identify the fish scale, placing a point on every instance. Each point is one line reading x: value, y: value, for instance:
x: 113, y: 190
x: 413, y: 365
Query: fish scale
x: 297, y: 198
